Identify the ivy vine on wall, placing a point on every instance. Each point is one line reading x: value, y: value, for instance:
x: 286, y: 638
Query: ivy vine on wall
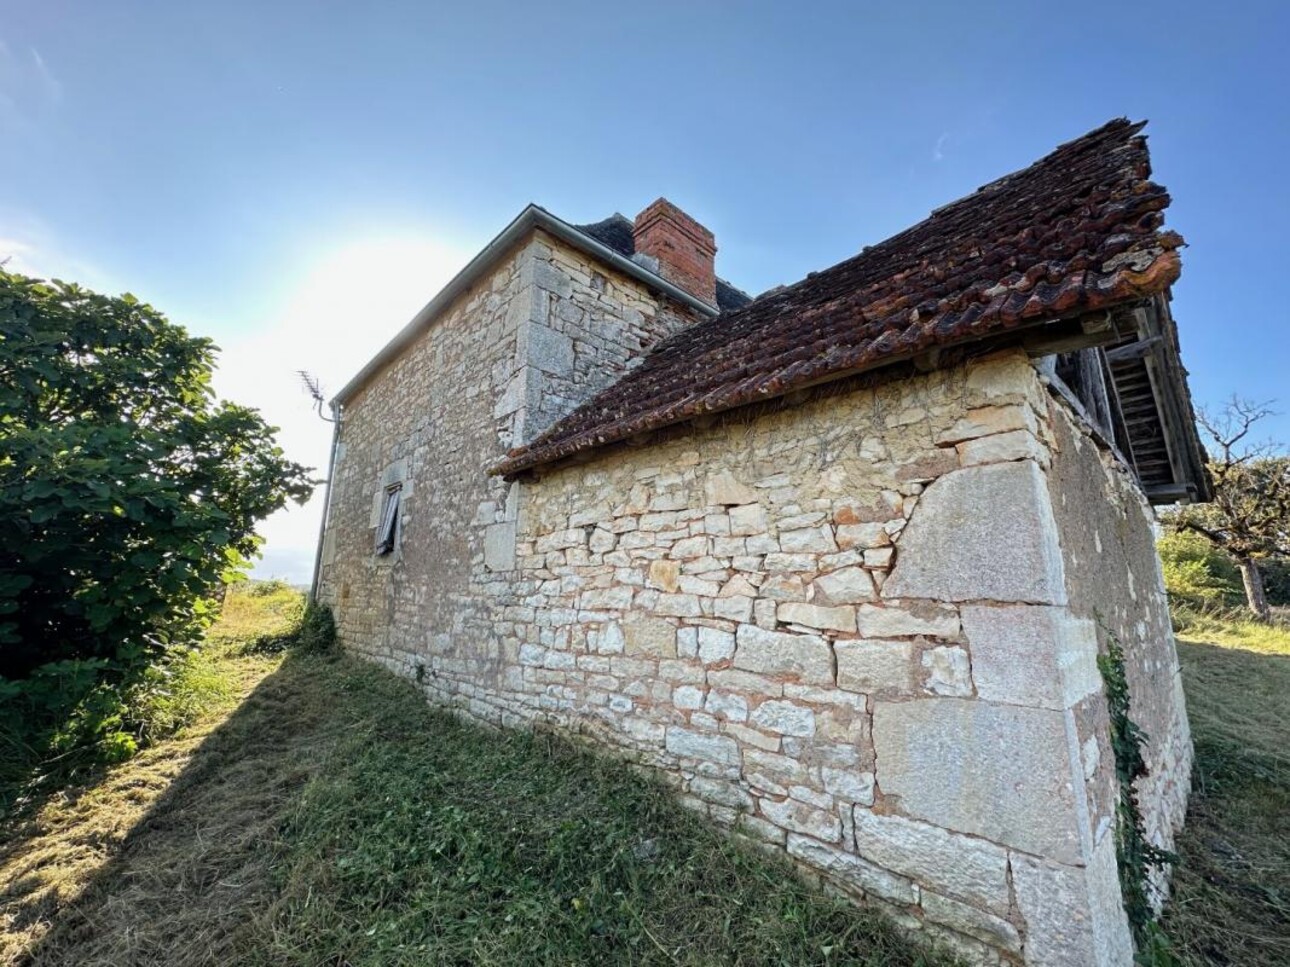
x: 1135, y: 854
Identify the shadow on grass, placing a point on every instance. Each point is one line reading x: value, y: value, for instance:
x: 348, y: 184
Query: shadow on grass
x: 195, y: 866
x: 335, y: 818
x: 1231, y: 894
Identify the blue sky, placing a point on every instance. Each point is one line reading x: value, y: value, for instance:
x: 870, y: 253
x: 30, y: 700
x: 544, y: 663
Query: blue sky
x: 296, y: 179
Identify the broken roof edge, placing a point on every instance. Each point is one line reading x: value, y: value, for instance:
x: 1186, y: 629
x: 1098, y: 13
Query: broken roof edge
x: 532, y: 217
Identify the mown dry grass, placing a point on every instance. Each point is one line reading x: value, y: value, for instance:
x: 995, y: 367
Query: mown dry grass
x: 47, y: 859
x: 1231, y: 900
x: 322, y: 814
x: 1235, y: 629
x: 334, y: 818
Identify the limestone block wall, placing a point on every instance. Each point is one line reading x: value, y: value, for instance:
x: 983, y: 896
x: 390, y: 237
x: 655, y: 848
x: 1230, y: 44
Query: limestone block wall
x: 538, y: 335
x: 863, y: 628
x: 1115, y: 579
x: 579, y: 326
x: 427, y: 422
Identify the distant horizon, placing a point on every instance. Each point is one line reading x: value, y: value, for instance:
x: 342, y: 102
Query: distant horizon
x: 296, y: 183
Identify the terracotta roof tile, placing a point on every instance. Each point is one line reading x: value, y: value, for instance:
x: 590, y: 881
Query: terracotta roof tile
x: 1078, y: 231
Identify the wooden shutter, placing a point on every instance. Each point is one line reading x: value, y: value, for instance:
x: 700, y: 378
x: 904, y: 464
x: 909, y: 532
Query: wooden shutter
x: 387, y: 529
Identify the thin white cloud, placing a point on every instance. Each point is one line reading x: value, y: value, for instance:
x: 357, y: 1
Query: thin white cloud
x: 938, y: 152
x: 29, y: 91
x: 53, y: 88
x: 29, y: 247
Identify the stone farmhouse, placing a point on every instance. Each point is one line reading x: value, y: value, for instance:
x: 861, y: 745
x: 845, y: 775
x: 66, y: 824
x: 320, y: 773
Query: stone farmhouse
x: 837, y: 561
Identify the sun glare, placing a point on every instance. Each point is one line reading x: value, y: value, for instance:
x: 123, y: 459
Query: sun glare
x: 338, y: 314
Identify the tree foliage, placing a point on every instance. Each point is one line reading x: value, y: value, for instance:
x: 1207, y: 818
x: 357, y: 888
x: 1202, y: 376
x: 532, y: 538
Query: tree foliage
x: 127, y: 492
x: 1249, y: 517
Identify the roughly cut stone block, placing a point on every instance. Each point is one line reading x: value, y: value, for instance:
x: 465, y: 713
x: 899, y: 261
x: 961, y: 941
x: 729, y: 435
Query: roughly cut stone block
x: 875, y: 666
x: 982, y: 533
x: 776, y: 653
x: 687, y: 642
x: 872, y: 534
x: 734, y: 678
x: 800, y: 817
x: 947, y: 671
x: 723, y: 489
x: 715, y: 645
x: 720, y: 791
x: 748, y: 519
x: 665, y: 575
x: 960, y: 866
x: 728, y: 706
x: 811, y: 540
x: 852, y: 870
x: 1074, y: 916
x: 897, y: 619
x: 1002, y: 772
x: 499, y: 546
x: 987, y: 420
x: 687, y: 696
x: 1014, y: 445
x: 969, y: 920
x: 850, y: 585
x: 699, y: 745
x: 548, y: 350
x: 648, y: 636
x: 848, y: 784
x: 784, y: 587
x: 879, y: 556
x: 679, y: 605
x: 611, y: 641
x: 607, y: 598
x: 841, y: 618
x: 1032, y: 655
x: 738, y: 608
x: 784, y: 718
x: 689, y: 548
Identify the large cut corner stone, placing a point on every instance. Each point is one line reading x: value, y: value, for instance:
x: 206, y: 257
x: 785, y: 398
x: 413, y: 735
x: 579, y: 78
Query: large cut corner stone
x: 1074, y: 916
x: 1002, y: 772
x: 1031, y: 654
x: 982, y: 533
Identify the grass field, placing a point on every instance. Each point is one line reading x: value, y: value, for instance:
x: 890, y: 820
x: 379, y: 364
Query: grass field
x: 318, y: 813
x: 1231, y: 900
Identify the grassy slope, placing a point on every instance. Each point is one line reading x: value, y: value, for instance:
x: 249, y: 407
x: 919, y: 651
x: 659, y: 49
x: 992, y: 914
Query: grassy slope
x: 335, y: 818
x: 1231, y: 901
x: 322, y: 814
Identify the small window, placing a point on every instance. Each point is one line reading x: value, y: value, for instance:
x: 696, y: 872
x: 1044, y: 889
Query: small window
x: 388, y: 527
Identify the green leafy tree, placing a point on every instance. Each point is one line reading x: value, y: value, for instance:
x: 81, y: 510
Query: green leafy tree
x: 127, y: 492
x: 1249, y: 518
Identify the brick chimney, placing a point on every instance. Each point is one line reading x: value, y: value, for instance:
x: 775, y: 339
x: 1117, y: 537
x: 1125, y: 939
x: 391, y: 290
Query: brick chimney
x: 685, y: 251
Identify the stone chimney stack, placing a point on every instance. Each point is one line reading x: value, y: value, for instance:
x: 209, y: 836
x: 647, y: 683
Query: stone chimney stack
x: 684, y: 250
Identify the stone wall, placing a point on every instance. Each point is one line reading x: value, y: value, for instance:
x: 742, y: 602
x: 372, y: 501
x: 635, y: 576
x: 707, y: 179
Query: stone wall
x: 863, y: 628
x: 578, y: 326
x: 545, y: 329
x: 1107, y: 537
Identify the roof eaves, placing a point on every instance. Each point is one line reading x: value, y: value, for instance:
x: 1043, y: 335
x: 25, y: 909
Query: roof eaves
x: 533, y: 216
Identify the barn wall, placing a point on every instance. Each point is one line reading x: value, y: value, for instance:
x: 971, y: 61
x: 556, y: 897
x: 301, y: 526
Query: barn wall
x: 863, y: 628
